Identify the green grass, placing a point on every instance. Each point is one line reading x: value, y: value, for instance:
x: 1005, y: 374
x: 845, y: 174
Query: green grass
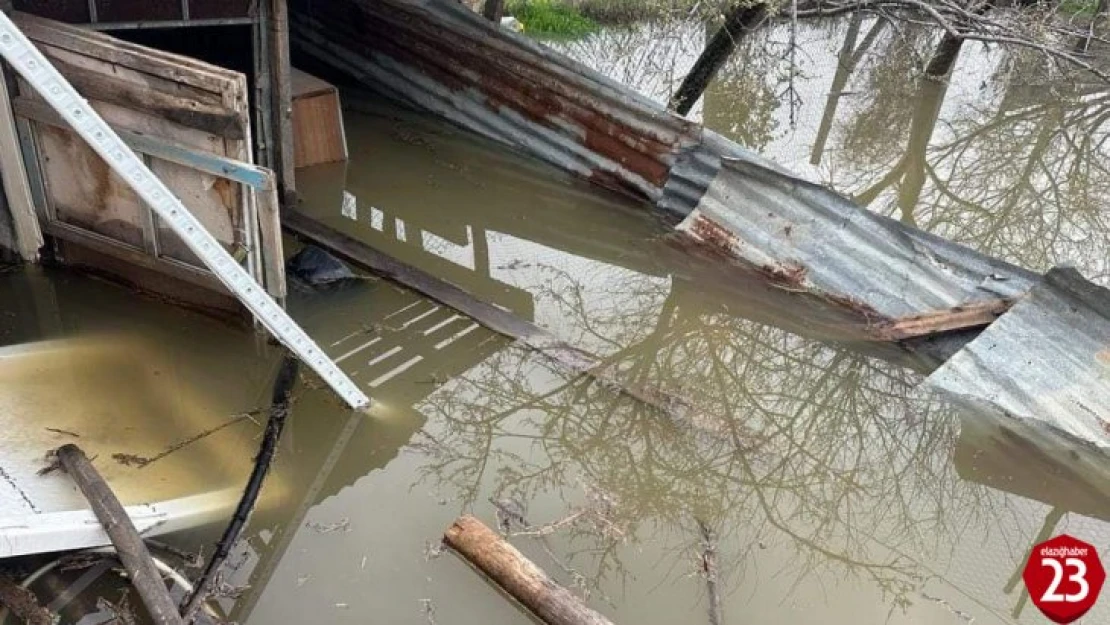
x: 550, y: 18
x: 1080, y: 8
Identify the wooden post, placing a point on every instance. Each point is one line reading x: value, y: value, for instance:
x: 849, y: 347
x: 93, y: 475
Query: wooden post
x: 493, y: 10
x: 282, y: 114
x: 517, y: 575
x: 129, y: 545
x: 17, y: 187
x: 263, y: 94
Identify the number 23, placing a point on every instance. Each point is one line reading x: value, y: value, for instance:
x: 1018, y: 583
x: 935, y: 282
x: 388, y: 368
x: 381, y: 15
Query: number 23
x: 1080, y: 577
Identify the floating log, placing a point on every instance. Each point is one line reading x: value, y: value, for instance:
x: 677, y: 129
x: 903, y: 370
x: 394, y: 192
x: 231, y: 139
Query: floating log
x: 129, y: 545
x: 517, y: 575
x: 22, y: 603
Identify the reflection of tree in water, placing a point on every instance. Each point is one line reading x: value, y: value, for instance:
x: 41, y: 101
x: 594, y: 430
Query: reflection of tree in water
x: 740, y: 103
x: 884, y: 112
x: 650, y: 57
x: 791, y: 444
x: 1043, y: 202
x: 1020, y: 175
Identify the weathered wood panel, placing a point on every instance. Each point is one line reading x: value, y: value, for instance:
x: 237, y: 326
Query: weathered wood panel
x: 318, y: 135
x: 187, y: 115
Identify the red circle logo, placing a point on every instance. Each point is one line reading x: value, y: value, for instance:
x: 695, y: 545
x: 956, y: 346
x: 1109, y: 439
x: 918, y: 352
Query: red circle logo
x: 1064, y: 577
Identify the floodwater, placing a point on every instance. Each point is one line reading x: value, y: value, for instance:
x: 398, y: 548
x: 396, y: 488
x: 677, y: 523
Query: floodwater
x: 825, y: 486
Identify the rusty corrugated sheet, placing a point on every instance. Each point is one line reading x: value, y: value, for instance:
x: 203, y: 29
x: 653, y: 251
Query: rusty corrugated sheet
x: 440, y: 57
x: 1046, y: 362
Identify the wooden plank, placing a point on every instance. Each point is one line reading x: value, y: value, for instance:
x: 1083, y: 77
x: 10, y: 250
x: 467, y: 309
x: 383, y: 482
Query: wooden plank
x: 213, y: 119
x: 263, y: 94
x: 23, y: 604
x: 140, y: 80
x: 269, y: 230
x: 318, y: 134
x: 134, y: 256
x: 129, y: 544
x: 244, y: 173
x: 964, y: 317
x: 174, y: 67
x: 17, y: 188
x: 284, y: 163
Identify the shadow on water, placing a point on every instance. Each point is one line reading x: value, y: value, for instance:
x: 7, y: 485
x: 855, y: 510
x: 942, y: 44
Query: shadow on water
x: 832, y: 489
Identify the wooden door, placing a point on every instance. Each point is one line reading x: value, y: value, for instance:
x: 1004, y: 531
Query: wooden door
x: 190, y: 122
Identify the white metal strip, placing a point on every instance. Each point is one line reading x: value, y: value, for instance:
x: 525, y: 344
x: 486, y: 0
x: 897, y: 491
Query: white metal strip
x: 33, y: 66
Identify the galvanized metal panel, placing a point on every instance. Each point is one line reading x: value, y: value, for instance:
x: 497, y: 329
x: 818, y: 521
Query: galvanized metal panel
x: 808, y: 238
x: 1046, y: 362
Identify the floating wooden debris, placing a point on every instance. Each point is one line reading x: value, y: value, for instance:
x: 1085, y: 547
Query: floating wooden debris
x: 129, y: 545
x: 517, y: 575
x: 965, y: 317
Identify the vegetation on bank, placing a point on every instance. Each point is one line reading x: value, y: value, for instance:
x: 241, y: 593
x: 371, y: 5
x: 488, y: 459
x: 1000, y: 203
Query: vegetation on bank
x: 550, y: 18
x: 579, y: 17
x: 576, y: 18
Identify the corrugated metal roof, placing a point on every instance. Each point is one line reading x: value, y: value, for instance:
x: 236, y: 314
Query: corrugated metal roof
x: 440, y: 57
x: 1045, y: 362
x: 812, y: 239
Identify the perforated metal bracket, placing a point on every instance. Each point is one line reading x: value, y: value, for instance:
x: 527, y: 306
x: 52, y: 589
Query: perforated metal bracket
x: 26, y: 59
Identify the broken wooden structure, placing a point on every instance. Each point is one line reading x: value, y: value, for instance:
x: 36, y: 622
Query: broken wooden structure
x: 210, y: 133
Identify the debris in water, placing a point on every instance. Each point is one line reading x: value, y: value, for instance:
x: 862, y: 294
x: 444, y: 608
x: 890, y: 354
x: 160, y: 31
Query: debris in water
x: 429, y: 611
x: 131, y: 460
x: 509, y: 511
x: 301, y: 579
x: 318, y: 268
x: 342, y: 525
x: 432, y: 550
x: 342, y: 606
x: 63, y: 432
x: 121, y: 611
x: 23, y: 603
x: 963, y: 616
x: 140, y: 461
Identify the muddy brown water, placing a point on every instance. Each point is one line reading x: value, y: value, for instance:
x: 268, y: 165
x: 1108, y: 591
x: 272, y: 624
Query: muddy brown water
x: 829, y: 487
